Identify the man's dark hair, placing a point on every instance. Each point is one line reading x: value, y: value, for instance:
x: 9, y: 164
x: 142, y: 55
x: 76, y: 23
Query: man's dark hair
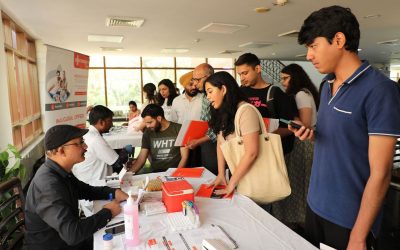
x: 328, y: 21
x: 249, y: 59
x: 98, y: 113
x: 153, y: 110
x: 132, y: 103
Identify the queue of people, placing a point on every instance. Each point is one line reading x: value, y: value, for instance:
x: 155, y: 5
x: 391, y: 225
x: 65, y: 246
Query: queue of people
x: 338, y: 162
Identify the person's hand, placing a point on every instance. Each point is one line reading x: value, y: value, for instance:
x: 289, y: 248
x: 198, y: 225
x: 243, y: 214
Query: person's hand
x: 356, y: 245
x: 120, y: 195
x: 129, y: 165
x: 220, y: 180
x: 302, y: 133
x: 114, y: 207
x: 226, y: 191
x: 192, y: 144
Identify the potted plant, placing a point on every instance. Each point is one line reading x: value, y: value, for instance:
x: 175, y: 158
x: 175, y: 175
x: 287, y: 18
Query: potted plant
x: 10, y: 164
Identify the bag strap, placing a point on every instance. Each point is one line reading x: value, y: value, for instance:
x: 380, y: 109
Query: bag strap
x: 270, y: 101
x: 260, y: 120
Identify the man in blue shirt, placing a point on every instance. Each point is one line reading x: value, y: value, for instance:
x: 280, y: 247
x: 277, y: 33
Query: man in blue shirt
x: 357, y: 125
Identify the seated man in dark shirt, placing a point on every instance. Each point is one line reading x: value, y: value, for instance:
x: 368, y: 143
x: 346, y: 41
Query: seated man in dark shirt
x: 51, y: 210
x: 158, y: 142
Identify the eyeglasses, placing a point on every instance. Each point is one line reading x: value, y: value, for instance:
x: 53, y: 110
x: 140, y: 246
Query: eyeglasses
x: 283, y: 78
x: 198, y: 79
x: 78, y: 144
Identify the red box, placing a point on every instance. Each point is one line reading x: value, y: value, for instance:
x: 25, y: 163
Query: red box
x: 174, y: 193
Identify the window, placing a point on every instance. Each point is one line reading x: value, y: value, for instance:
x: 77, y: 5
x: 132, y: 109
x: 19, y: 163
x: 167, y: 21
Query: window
x: 22, y: 78
x: 115, y: 80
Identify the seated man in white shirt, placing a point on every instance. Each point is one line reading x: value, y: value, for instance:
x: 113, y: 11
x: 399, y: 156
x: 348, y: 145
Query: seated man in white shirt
x: 158, y: 142
x: 99, y: 157
x: 188, y: 105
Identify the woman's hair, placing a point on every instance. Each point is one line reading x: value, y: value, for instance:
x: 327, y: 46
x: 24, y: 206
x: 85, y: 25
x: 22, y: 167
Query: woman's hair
x: 300, y: 80
x: 172, y: 92
x: 132, y: 103
x: 150, y: 90
x: 222, y: 119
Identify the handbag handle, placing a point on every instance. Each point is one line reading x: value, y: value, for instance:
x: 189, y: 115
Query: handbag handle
x: 260, y: 120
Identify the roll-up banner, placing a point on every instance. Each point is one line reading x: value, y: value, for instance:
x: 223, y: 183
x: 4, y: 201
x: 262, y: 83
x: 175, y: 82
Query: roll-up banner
x: 66, y: 87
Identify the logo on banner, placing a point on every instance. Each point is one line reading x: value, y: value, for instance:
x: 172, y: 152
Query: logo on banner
x: 81, y: 61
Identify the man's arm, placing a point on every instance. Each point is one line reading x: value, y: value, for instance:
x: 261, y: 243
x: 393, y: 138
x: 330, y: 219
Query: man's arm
x: 138, y: 164
x: 184, y: 157
x: 380, y: 154
x: 192, y: 144
x: 55, y: 208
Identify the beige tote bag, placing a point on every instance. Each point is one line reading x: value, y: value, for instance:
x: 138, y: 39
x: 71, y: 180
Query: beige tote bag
x: 267, y: 180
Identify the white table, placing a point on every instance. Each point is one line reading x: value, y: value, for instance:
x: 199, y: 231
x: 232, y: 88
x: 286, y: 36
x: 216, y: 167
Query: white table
x: 119, y: 138
x: 244, y: 221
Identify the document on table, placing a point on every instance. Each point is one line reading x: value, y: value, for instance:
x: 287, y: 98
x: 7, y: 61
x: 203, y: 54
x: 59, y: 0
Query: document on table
x: 191, y: 239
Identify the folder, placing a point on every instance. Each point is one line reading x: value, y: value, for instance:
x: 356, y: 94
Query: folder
x: 191, y: 129
x: 188, y: 172
x: 208, y: 192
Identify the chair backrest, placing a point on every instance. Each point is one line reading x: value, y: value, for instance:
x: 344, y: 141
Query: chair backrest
x: 12, y: 223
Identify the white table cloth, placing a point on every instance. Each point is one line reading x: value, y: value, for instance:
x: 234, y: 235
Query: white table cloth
x: 119, y: 138
x: 248, y: 224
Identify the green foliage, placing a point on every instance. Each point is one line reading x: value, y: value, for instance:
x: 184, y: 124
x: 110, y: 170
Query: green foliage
x: 16, y: 168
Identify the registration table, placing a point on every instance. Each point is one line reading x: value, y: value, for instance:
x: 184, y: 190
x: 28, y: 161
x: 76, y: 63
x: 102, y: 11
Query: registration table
x: 243, y: 220
x: 118, y: 137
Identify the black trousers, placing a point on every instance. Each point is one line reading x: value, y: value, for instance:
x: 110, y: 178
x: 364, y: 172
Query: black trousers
x: 318, y: 230
x: 209, y: 156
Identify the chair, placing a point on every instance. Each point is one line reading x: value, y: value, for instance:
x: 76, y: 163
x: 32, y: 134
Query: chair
x: 12, y: 223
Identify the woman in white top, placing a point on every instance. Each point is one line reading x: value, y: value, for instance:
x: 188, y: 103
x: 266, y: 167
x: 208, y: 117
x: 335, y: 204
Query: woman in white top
x: 165, y: 97
x: 298, y: 84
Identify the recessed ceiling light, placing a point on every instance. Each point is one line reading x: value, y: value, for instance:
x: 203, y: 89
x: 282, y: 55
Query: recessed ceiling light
x: 174, y: 50
x: 261, y: 9
x: 112, y: 48
x: 222, y: 28
x: 280, y: 2
x: 255, y: 45
x: 389, y: 42
x: 301, y: 55
x: 105, y: 38
x: 371, y: 16
x: 292, y: 33
x: 229, y: 51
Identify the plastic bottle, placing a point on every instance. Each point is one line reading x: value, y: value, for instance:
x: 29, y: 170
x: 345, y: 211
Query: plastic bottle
x: 131, y: 216
x: 108, y: 241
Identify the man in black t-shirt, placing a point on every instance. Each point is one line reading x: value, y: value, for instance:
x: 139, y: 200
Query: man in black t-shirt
x: 279, y: 105
x: 158, y: 142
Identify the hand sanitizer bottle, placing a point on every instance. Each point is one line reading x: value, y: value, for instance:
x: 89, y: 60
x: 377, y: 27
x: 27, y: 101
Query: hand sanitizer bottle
x: 131, y: 216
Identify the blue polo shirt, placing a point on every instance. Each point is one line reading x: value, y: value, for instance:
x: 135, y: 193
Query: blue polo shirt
x: 368, y: 103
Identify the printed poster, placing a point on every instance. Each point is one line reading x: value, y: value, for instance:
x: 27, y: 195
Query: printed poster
x: 66, y: 87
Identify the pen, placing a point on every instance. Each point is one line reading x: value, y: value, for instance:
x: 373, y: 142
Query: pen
x: 115, y: 224
x: 110, y: 196
x: 227, y: 235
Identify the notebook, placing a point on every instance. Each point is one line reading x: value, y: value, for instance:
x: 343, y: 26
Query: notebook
x: 191, y: 130
x: 188, y: 172
x: 208, y: 192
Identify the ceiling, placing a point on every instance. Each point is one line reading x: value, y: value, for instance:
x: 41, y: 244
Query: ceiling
x: 175, y: 24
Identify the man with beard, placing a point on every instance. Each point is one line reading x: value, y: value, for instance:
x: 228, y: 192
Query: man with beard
x: 100, y: 158
x: 188, y: 105
x: 158, y: 142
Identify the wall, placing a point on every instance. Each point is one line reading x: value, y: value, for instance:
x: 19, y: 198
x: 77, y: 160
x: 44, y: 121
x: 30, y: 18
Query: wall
x: 5, y: 116
x: 35, y: 150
